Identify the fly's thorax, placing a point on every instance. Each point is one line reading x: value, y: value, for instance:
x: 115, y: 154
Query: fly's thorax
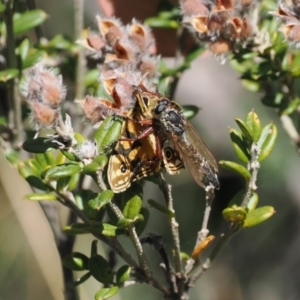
x: 173, y: 121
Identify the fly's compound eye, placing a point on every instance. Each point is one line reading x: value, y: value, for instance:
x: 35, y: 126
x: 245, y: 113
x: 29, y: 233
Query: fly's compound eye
x: 161, y: 106
x: 123, y: 168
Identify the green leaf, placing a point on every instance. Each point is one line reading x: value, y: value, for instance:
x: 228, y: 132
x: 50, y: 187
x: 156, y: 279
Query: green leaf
x: 267, y: 141
x: 108, y: 133
x: 74, y: 181
x: 292, y: 106
x: 98, y: 163
x: 164, y: 85
x: 41, y: 159
x: 237, y: 198
x: 2, y: 7
x: 106, y: 293
x: 104, y: 228
x: 230, y: 165
x: 92, y: 77
x: 37, y: 183
x: 70, y: 156
x: 40, y: 197
x: 8, y: 74
x: 76, y: 261
x: 34, y: 166
x: 39, y: 145
x: 245, y: 129
x: 252, y: 202
x: 79, y: 138
x: 59, y: 159
x: 91, y: 168
x: 28, y: 20
x: 132, y: 200
x: 45, y: 159
x: 60, y: 42
x: 12, y: 156
x: 253, y: 122
x: 161, y: 208
x: 94, y: 249
x: 23, y: 48
x: 101, y: 200
x: 124, y: 223
x: 100, y: 269
x: 77, y: 228
x: 240, y: 145
x: 62, y: 183
x: 101, y: 160
x: 61, y: 171
x: 82, y: 279
x: 251, y: 85
x: 190, y: 111
x: 156, y: 22
x: 123, y: 274
x: 258, y: 216
x: 34, y: 56
x: 235, y: 214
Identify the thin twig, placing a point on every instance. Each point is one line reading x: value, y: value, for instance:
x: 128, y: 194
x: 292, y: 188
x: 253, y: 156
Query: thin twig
x: 166, y: 189
x: 253, y: 167
x: 209, y: 197
x: 134, y: 239
x: 68, y: 200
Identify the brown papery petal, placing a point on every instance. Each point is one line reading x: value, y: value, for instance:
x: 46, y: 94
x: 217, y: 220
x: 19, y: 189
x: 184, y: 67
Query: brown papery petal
x: 200, y: 24
x: 220, y: 47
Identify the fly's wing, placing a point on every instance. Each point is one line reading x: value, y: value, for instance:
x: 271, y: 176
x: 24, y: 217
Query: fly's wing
x: 197, y: 158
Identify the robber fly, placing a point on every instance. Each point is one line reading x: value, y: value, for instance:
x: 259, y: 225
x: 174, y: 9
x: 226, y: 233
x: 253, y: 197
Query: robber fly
x: 168, y: 121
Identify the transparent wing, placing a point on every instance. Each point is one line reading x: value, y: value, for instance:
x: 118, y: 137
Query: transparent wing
x: 196, y: 156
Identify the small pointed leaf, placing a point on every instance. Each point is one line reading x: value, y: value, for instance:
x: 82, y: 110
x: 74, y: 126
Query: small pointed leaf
x: 132, y: 200
x: 77, y: 228
x: 258, y: 216
x: 230, y: 165
x: 123, y: 274
x: 252, y: 202
x: 100, y: 269
x: 247, y: 132
x: 39, y: 145
x: 240, y: 145
x: 40, y: 197
x: 76, y: 261
x: 234, y: 214
x: 267, y: 141
x: 104, y: 228
x: 190, y: 111
x: 8, y: 74
x: 106, y: 293
x: 101, y: 200
x: 61, y: 171
x: 253, y: 122
x: 28, y: 20
x: 82, y: 279
x: 108, y: 133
